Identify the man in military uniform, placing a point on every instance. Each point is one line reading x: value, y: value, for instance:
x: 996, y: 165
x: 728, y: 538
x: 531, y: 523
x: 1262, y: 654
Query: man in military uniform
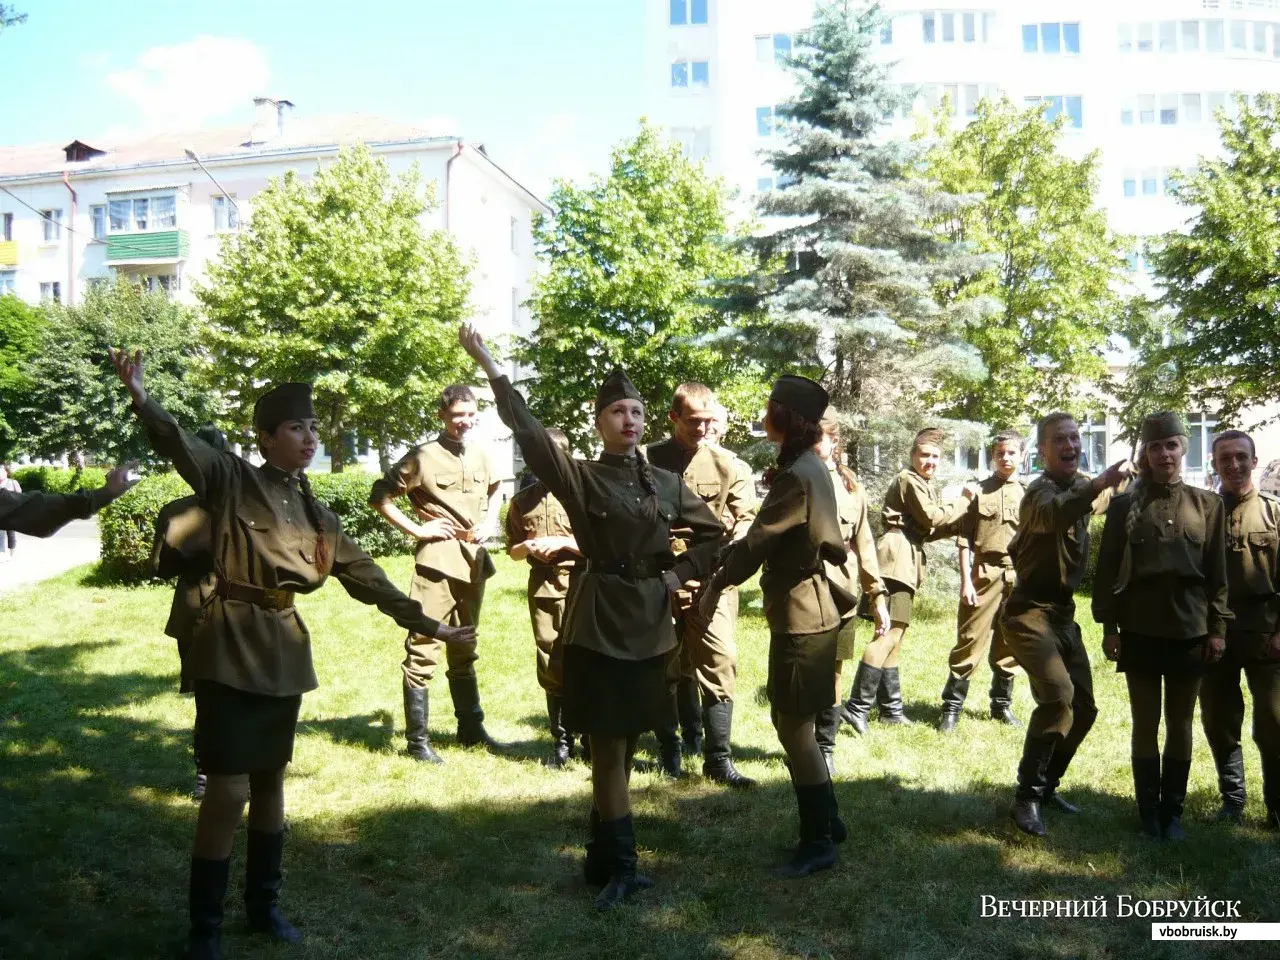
x: 43, y: 514
x: 1049, y: 553
x: 707, y: 659
x: 452, y: 486
x: 986, y: 580
x: 538, y: 530
x: 1253, y: 637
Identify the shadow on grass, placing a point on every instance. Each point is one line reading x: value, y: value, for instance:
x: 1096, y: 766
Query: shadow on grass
x: 94, y: 843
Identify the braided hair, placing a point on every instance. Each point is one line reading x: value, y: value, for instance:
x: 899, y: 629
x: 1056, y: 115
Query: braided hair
x: 309, y: 502
x: 644, y: 472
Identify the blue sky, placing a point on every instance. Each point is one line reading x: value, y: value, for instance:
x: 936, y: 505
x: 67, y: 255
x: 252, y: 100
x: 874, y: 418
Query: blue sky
x: 547, y: 85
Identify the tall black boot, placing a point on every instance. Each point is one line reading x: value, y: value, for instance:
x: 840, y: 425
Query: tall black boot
x: 1230, y: 764
x: 891, y: 701
x: 717, y: 755
x: 953, y: 694
x: 1002, y: 700
x: 1056, y: 769
x: 1146, y: 790
x: 619, y: 839
x: 207, y: 891
x: 668, y: 734
x: 1032, y: 783
x: 595, y: 865
x: 561, y: 742
x: 689, y: 707
x: 416, y: 709
x: 816, y: 850
x: 262, y: 886
x: 466, y: 707
x: 825, y: 727
x: 197, y: 793
x: 1271, y: 787
x: 857, y: 709
x: 1173, y: 794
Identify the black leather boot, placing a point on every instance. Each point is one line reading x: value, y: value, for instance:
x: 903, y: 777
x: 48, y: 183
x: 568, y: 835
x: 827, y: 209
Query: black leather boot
x: 1173, y: 794
x: 1002, y: 700
x: 561, y: 742
x: 825, y: 727
x: 1053, y: 774
x: 1032, y: 784
x: 857, y: 709
x: 619, y: 839
x: 1271, y: 788
x: 953, y: 694
x: 1146, y: 791
x: 595, y: 865
x: 416, y: 710
x: 197, y: 792
x: 839, y: 832
x: 891, y: 699
x: 207, y: 891
x: 670, y: 750
x: 816, y: 850
x: 466, y: 707
x: 717, y: 755
x: 262, y: 886
x: 689, y: 707
x: 1230, y: 785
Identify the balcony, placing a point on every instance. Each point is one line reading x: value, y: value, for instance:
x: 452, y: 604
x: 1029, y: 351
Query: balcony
x: 157, y: 246
x: 8, y: 253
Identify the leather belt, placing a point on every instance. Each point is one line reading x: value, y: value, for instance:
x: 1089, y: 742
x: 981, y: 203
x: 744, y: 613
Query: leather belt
x: 995, y: 558
x: 637, y: 568
x: 258, y: 596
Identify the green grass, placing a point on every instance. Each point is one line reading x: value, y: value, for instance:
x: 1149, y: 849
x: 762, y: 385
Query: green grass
x: 479, y: 858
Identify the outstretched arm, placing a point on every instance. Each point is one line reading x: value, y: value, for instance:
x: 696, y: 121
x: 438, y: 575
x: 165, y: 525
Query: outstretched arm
x: 43, y: 514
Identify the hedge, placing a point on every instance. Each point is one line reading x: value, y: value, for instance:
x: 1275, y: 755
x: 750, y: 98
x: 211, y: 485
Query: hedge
x: 59, y: 479
x: 128, y: 524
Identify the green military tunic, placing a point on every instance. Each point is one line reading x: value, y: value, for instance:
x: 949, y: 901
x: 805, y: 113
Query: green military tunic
x: 1253, y: 563
x: 263, y: 538
x: 534, y: 513
x: 43, y: 514
x: 183, y: 549
x: 444, y: 478
x: 912, y: 516
x: 723, y: 481
x: 862, y: 568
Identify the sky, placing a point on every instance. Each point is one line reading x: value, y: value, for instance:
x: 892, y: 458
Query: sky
x: 547, y: 85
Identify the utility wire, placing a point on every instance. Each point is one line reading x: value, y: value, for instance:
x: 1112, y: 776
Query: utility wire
x: 42, y: 216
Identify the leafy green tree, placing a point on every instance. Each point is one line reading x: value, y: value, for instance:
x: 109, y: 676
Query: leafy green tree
x: 335, y: 282
x: 19, y: 336
x: 72, y: 402
x: 9, y: 17
x: 637, y: 262
x: 1058, y: 273
x: 859, y: 302
x: 1222, y: 276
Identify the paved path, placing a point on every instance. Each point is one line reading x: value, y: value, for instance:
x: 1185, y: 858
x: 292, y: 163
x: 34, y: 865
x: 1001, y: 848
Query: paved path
x: 38, y: 559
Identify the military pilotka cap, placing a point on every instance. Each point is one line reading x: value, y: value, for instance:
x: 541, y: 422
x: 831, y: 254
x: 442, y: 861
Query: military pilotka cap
x: 289, y: 401
x: 617, y: 386
x: 1162, y: 426
x: 802, y: 395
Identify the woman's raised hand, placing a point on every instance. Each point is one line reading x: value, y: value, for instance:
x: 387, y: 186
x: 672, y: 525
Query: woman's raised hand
x: 129, y: 370
x: 473, y: 343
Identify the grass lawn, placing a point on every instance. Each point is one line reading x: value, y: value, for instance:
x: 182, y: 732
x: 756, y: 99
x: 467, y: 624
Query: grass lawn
x: 479, y: 858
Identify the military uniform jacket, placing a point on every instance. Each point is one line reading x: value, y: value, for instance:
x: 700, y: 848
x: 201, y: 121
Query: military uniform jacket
x: 1051, y: 548
x: 444, y: 478
x: 533, y: 513
x: 43, y: 514
x: 1167, y: 576
x: 795, y: 534
x: 912, y: 516
x: 721, y: 479
x: 261, y: 536
x: 861, y: 568
x: 183, y: 548
x: 991, y: 521
x: 1253, y: 562
x: 610, y: 612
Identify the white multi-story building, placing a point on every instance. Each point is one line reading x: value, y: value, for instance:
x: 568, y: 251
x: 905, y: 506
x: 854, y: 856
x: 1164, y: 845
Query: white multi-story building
x: 1138, y: 80
x: 156, y: 209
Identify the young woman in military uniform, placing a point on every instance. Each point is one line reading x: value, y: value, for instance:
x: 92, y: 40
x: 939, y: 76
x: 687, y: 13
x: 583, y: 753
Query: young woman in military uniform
x: 250, y: 661
x: 912, y: 516
x: 1160, y: 594
x: 795, y: 535
x: 618, y: 628
x: 862, y: 569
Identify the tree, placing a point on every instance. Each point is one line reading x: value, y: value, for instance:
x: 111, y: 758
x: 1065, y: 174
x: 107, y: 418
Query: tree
x: 335, y: 282
x: 19, y: 336
x: 860, y: 302
x: 73, y: 403
x: 1058, y: 275
x: 636, y: 264
x: 1222, y: 277
x: 9, y: 17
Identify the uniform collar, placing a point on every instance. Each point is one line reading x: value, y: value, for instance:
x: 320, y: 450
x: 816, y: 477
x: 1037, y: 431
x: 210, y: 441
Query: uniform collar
x: 618, y: 459
x: 276, y: 475
x: 1161, y: 490
x: 1234, y: 500
x: 456, y: 447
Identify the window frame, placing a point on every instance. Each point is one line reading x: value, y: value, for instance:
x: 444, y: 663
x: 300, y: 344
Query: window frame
x: 223, y: 206
x: 705, y: 82
x: 146, y: 201
x: 6, y: 227
x: 51, y: 225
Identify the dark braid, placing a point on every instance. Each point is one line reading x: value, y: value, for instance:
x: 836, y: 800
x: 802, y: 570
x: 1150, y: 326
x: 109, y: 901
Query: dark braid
x: 317, y: 521
x: 644, y: 473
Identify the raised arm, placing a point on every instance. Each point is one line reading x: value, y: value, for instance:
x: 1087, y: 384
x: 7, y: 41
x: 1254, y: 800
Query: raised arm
x: 784, y: 509
x: 1051, y: 510
x: 940, y: 520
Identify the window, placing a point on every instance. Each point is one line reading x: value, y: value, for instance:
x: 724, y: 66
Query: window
x: 1260, y: 38
x: 927, y: 21
x: 98, y: 213
x: 1201, y: 428
x: 1071, y: 37
x: 164, y: 212
x: 515, y: 308
x: 51, y: 292
x: 1126, y: 115
x: 1191, y: 108
x: 680, y: 73
x: 970, y: 28
x: 886, y: 34
x: 701, y: 73
x: 1238, y: 31
x: 764, y: 47
x: 773, y: 47
x: 1213, y: 36
x: 119, y: 213
x: 971, y: 100
x: 1146, y: 34
x: 1275, y: 40
x: 1168, y: 36
x: 8, y: 283
x: 52, y: 221
x: 1126, y: 38
x: 1168, y: 109
x: 764, y: 184
x: 1093, y: 438
x: 781, y: 49
x: 225, y: 215
x: 1167, y: 184
x: 1051, y: 37
x: 765, y: 123
x: 1130, y: 187
x: 1190, y: 36
x: 141, y: 208
x: 948, y: 28
x: 515, y: 233
x: 688, y: 12
x: 1030, y: 38
x: 698, y: 11
x: 1149, y: 180
x: 166, y: 283
x: 1073, y: 107
x: 135, y: 214
x: 1075, y: 111
x: 6, y: 224
x: 1147, y: 109
x: 1216, y: 101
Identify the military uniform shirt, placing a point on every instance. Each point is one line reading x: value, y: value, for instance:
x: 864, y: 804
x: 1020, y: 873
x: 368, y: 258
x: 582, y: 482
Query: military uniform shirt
x: 912, y: 515
x: 1253, y: 561
x: 1051, y: 547
x: 535, y: 513
x: 861, y: 568
x: 991, y: 520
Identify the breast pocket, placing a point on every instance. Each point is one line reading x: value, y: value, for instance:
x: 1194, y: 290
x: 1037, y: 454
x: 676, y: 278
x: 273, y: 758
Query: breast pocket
x: 1263, y: 540
x: 708, y: 491
x: 256, y: 518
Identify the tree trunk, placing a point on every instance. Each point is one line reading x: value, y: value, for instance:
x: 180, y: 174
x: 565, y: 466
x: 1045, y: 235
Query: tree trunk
x: 337, y: 446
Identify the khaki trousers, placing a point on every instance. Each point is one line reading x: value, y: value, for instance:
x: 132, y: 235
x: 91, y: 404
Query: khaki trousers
x: 450, y: 601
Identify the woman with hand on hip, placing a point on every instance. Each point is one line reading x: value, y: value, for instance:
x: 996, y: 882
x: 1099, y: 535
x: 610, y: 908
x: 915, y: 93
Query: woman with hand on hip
x: 618, y: 628
x: 250, y: 657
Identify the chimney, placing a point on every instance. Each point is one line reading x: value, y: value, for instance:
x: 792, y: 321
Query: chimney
x: 268, y: 121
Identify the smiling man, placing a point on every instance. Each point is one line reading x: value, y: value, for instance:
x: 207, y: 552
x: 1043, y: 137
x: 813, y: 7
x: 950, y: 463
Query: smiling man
x: 1050, y: 551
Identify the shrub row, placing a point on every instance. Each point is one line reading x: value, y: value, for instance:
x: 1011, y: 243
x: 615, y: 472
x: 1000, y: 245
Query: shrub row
x: 59, y: 479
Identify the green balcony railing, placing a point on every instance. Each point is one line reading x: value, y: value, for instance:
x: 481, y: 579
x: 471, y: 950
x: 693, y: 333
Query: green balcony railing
x: 143, y: 247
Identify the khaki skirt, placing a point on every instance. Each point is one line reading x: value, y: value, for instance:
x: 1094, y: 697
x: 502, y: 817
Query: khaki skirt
x: 802, y: 671
x: 242, y: 732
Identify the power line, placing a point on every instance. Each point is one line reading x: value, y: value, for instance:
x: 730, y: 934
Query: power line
x: 41, y: 214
